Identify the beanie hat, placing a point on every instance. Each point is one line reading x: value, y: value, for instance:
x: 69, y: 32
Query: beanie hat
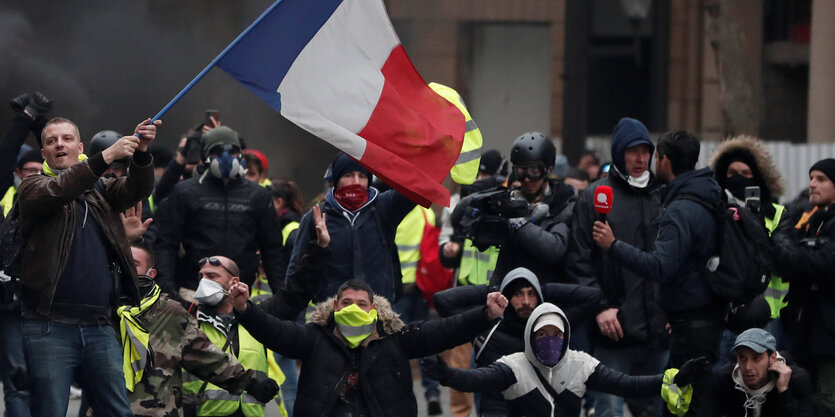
x: 30, y: 156
x: 344, y: 164
x: 261, y: 157
x: 827, y: 166
x: 220, y: 136
x: 490, y: 162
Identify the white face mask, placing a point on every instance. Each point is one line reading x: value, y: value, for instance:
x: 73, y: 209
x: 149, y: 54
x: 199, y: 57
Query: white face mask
x: 209, y: 293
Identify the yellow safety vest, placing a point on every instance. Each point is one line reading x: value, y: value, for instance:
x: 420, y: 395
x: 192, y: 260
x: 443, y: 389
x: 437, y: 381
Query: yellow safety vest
x: 775, y: 294
x: 476, y: 267
x: 8, y: 200
x: 408, y: 237
x: 465, y: 169
x: 216, y: 400
x: 285, y: 232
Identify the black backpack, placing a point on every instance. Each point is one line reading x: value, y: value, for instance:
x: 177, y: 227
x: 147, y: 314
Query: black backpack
x: 741, y: 268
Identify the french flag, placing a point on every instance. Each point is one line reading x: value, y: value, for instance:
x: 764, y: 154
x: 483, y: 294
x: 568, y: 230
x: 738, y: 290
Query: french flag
x: 337, y: 69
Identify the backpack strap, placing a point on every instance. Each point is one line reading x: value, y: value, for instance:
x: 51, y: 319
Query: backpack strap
x: 549, y: 388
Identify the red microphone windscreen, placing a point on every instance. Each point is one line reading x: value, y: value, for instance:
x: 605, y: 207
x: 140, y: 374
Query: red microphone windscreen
x: 603, y: 199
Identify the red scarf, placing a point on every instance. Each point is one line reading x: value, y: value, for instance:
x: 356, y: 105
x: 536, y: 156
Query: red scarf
x: 352, y: 196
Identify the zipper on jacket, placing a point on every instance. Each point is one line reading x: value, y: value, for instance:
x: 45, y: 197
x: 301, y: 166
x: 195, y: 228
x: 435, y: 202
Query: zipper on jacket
x: 63, y: 254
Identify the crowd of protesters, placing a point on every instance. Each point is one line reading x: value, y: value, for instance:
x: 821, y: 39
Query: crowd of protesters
x: 187, y: 281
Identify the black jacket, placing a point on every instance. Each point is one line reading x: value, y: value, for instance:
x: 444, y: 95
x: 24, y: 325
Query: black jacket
x: 385, y: 376
x: 807, y: 265
x: 209, y: 218
x: 361, y: 247
x: 540, y: 247
x: 728, y: 396
x: 686, y: 239
x: 632, y: 219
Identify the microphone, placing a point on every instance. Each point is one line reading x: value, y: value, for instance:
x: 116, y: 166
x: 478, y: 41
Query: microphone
x: 603, y: 201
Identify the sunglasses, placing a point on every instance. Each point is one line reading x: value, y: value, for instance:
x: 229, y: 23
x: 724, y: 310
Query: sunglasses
x: 215, y: 262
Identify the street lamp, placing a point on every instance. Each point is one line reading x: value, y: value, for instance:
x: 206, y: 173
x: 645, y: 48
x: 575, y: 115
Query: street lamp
x: 636, y: 11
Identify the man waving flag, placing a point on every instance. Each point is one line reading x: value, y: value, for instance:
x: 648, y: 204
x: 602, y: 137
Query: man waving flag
x: 337, y: 69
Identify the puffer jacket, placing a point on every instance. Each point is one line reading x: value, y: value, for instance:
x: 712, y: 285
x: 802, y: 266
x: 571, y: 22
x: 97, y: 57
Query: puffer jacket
x: 540, y: 247
x: 385, y: 376
x: 48, y: 215
x: 632, y: 220
x: 576, y: 372
x: 686, y: 238
x: 209, y: 218
x: 362, y: 243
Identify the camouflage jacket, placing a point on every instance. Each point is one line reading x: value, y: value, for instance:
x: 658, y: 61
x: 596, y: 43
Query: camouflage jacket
x: 176, y: 342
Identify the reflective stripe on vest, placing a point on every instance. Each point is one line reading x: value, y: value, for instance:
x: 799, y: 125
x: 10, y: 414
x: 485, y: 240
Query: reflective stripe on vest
x: 408, y: 237
x: 477, y: 267
x: 260, y: 287
x: 775, y: 294
x: 466, y: 167
x: 215, y: 400
x: 288, y: 228
x: 677, y: 398
x: 8, y: 200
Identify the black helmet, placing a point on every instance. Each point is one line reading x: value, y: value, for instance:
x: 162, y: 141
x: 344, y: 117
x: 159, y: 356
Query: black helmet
x: 533, y: 146
x: 102, y: 140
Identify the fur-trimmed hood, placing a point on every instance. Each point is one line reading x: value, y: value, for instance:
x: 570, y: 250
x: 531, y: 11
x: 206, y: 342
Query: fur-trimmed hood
x: 387, y: 319
x: 754, y: 148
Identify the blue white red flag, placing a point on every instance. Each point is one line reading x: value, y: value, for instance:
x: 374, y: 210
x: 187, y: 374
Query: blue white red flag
x: 337, y: 69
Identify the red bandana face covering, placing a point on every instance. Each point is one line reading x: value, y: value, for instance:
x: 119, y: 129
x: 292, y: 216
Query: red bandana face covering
x: 351, y: 196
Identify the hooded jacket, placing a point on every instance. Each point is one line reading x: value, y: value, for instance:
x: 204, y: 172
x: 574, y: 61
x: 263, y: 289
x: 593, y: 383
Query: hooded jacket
x: 576, y: 372
x: 362, y: 243
x: 752, y: 151
x: 732, y: 398
x: 381, y: 361
x: 633, y: 221
x: 208, y: 217
x: 686, y: 238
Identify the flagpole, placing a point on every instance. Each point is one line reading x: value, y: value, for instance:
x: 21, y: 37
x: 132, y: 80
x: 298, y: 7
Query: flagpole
x: 213, y: 63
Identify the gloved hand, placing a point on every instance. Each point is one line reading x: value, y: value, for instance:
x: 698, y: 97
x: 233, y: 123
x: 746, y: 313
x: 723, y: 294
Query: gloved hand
x: 262, y: 387
x: 38, y: 105
x: 21, y: 379
x: 540, y: 210
x: 434, y: 367
x: 20, y: 102
x: 517, y: 222
x: 692, y: 370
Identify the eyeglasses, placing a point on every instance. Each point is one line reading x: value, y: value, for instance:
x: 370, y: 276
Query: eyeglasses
x: 533, y: 172
x: 213, y: 261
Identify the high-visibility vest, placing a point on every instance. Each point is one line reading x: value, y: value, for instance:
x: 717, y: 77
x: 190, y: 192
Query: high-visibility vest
x: 408, y: 237
x: 216, y: 400
x: 476, y: 266
x: 8, y: 200
x: 285, y: 232
x: 465, y: 169
x: 775, y: 294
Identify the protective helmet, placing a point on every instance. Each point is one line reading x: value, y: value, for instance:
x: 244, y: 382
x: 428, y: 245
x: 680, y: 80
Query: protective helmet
x: 533, y: 146
x: 102, y: 140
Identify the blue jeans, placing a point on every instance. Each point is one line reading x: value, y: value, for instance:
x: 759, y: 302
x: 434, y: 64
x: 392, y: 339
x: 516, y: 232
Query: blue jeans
x: 57, y: 352
x: 632, y: 360
x: 11, y: 357
x: 291, y: 381
x: 412, y: 307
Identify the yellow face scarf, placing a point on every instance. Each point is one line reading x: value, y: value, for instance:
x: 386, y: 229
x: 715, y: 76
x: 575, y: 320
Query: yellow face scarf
x: 48, y: 171
x: 135, y: 339
x: 354, y: 324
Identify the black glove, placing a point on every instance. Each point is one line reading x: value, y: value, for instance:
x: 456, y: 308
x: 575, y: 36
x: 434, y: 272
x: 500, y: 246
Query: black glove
x: 21, y: 379
x: 692, y: 370
x: 38, y: 105
x: 435, y: 368
x: 20, y: 102
x: 262, y: 387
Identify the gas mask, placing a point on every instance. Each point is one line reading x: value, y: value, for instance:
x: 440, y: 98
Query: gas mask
x: 146, y: 284
x: 226, y: 166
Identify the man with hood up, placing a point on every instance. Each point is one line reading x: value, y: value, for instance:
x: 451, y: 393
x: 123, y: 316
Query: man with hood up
x: 548, y: 378
x: 761, y: 383
x: 362, y: 222
x: 629, y: 333
x: 521, y: 287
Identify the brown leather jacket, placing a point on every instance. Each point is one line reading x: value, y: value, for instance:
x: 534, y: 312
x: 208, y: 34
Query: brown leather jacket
x: 48, y: 217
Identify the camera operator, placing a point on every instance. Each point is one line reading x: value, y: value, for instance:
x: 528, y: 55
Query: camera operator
x: 530, y: 223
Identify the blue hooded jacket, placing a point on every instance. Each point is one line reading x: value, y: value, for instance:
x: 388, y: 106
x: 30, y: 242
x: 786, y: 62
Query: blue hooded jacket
x: 628, y: 133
